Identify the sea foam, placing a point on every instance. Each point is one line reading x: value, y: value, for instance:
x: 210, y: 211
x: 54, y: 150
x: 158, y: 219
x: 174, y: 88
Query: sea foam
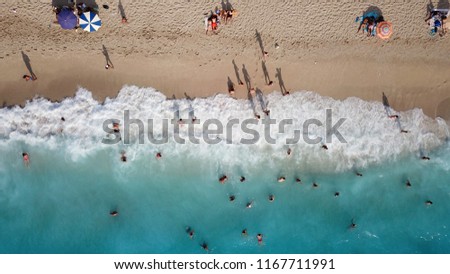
x: 370, y: 136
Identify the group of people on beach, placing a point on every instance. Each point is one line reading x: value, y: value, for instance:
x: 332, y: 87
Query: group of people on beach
x: 368, y: 23
x: 218, y: 16
x: 437, y: 21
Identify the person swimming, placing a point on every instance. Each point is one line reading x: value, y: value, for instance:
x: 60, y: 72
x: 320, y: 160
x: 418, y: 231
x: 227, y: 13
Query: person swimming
x: 123, y: 157
x: 315, y: 185
x: 281, y: 179
x: 359, y: 174
x: 63, y: 119
x: 249, y: 204
x: 428, y: 202
x: 271, y: 198
x: 244, y: 232
x: 116, y: 127
x: 158, y: 155
x: 232, y: 198
x: 393, y: 116
x: 298, y: 180
x: 325, y: 147
x: 425, y: 158
x: 223, y: 179
x: 336, y: 194
x: 404, y: 131
x: 190, y: 232
x: 353, y: 225
x: 259, y: 237
x: 26, y: 158
x: 289, y: 151
x: 114, y: 213
x: 266, y: 111
x: 242, y: 179
x: 408, y: 183
x: 204, y: 246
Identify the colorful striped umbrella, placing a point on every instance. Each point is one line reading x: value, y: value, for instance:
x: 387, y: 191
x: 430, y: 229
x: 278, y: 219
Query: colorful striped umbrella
x: 384, y: 30
x: 67, y: 19
x: 90, y: 21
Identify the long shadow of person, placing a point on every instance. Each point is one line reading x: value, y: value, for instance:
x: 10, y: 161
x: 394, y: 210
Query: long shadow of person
x: 236, y: 70
x: 260, y: 97
x: 260, y: 42
x: 266, y: 73
x: 252, y: 105
x: 108, y: 60
x: 122, y: 11
x: 386, y: 105
x: 230, y: 86
x: 283, y: 89
x: 246, y: 78
x: 27, y: 62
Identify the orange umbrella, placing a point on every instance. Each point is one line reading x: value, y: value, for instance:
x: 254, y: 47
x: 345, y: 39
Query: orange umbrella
x: 384, y: 30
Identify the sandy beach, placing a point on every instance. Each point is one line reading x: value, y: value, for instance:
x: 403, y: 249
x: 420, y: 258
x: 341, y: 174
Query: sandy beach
x: 164, y: 45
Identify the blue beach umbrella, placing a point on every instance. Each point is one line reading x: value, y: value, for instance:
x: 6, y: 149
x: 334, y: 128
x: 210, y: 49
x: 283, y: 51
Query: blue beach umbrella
x: 67, y: 19
x: 90, y: 21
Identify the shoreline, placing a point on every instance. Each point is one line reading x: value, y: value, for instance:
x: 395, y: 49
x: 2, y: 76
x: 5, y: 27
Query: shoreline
x: 407, y: 85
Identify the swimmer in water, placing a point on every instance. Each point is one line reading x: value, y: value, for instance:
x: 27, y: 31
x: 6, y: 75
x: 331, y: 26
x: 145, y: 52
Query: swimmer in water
x: 425, y: 158
x: 249, y: 204
x: 232, y: 198
x: 190, y: 232
x: 281, y: 179
x: 315, y: 185
x: 204, y: 246
x: 325, y: 147
x: 259, y: 237
x: 266, y: 111
x: 353, y: 225
x: 114, y: 213
x: 359, y: 174
x: 244, y: 232
x: 289, y: 151
x: 123, y: 157
x: 257, y: 116
x: 404, y: 131
x: 194, y: 119
x: 271, y: 198
x: 393, y: 116
x: 116, y: 127
x: 26, y: 158
x: 336, y: 194
x: 223, y: 179
x: 408, y: 183
x: 298, y: 180
x: 63, y: 119
x: 158, y: 155
x: 242, y: 179
x: 428, y: 202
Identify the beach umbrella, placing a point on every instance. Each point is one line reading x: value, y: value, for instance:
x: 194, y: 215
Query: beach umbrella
x: 384, y: 30
x: 67, y: 19
x: 90, y: 21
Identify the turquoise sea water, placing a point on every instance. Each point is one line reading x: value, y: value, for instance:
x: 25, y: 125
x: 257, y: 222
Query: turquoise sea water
x: 61, y: 202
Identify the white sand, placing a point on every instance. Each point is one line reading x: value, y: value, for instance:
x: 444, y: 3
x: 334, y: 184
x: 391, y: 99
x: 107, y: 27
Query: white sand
x: 164, y: 46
